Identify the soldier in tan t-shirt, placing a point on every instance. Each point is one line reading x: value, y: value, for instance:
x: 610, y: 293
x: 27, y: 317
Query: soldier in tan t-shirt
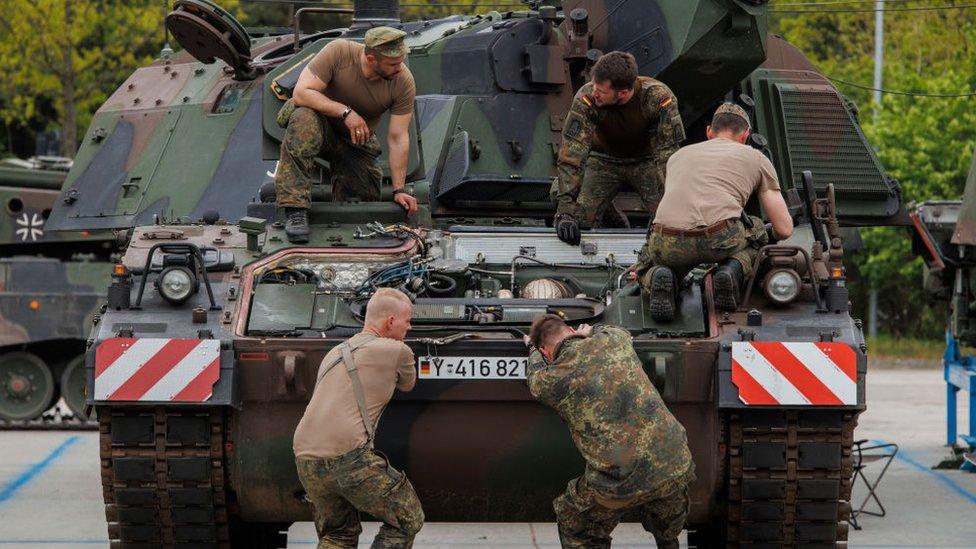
x: 699, y: 219
x: 333, y: 444
x: 333, y: 114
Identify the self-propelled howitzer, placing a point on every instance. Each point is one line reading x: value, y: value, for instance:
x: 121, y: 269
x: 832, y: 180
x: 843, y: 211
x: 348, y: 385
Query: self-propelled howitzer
x: 207, y: 355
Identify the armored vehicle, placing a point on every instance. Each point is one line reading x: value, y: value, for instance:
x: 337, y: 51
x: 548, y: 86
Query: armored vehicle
x: 206, y: 356
x: 944, y: 236
x: 51, y: 285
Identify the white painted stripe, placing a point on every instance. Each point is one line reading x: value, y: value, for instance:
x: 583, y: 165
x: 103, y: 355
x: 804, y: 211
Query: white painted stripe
x: 763, y: 372
x: 184, y: 372
x: 825, y: 370
x: 126, y: 365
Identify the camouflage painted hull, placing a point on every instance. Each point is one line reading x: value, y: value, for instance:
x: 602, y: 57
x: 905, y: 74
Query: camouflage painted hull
x: 200, y: 449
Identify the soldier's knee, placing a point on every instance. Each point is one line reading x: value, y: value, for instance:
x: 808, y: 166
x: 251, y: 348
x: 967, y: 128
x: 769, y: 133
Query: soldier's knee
x: 412, y: 522
x: 303, y: 136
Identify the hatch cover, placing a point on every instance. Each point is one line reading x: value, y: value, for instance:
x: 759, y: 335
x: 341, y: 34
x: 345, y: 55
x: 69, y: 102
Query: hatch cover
x: 208, y: 33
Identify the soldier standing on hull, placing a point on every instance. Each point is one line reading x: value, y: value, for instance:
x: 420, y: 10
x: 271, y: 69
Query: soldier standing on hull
x: 700, y: 217
x: 341, y: 473
x: 620, y: 130
x: 334, y: 112
x: 636, y: 452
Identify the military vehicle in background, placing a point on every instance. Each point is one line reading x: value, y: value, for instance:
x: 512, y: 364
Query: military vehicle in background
x: 51, y: 286
x: 206, y: 356
x: 944, y: 236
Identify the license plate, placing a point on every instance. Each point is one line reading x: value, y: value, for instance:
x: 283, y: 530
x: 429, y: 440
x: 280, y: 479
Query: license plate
x: 467, y: 367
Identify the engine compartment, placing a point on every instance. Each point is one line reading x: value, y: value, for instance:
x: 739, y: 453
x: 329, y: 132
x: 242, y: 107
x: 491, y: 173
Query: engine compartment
x: 473, y: 276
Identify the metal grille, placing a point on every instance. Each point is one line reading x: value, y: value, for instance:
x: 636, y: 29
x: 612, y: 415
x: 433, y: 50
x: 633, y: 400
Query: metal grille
x: 824, y: 139
x: 502, y: 247
x: 434, y: 311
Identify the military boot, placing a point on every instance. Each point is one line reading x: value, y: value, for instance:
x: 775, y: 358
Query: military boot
x: 662, y: 294
x: 728, y: 284
x: 296, y: 225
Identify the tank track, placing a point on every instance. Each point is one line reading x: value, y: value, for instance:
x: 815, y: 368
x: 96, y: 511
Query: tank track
x: 51, y: 420
x: 789, y: 478
x: 163, y: 478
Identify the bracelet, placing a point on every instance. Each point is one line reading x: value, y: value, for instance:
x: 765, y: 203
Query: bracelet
x: 400, y: 190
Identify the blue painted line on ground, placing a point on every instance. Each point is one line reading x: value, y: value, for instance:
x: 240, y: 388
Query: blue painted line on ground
x: 10, y: 489
x: 948, y: 481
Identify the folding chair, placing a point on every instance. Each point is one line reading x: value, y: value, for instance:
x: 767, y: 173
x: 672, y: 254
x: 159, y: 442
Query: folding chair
x: 863, y: 455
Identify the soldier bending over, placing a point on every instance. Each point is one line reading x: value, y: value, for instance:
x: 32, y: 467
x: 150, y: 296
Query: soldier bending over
x: 620, y: 130
x: 699, y: 220
x: 341, y: 473
x: 636, y: 452
x: 337, y: 104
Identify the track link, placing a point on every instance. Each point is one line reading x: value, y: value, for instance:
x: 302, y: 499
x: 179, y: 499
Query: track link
x: 789, y: 478
x: 163, y: 478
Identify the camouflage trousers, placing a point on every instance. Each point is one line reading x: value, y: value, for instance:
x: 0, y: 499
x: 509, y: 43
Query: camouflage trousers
x: 309, y: 134
x: 360, y: 481
x: 683, y: 253
x: 585, y: 519
x: 605, y: 176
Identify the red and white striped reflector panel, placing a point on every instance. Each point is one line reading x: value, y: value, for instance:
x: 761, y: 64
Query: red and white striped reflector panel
x: 780, y: 373
x: 164, y: 370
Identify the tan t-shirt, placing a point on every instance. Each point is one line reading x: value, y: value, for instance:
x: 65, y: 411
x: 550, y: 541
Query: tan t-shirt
x: 332, y: 425
x: 338, y: 65
x: 711, y: 181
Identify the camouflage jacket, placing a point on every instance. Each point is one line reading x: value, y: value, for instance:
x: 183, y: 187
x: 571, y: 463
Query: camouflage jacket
x: 658, y: 104
x: 628, y: 437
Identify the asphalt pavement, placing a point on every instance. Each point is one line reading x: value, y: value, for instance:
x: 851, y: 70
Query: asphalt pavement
x: 50, y: 493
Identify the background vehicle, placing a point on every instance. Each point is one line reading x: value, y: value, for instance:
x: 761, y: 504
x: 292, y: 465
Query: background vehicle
x: 944, y: 236
x: 51, y: 286
x: 207, y: 354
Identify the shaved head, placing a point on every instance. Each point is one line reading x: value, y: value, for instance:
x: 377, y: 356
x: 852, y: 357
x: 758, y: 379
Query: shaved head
x: 388, y: 313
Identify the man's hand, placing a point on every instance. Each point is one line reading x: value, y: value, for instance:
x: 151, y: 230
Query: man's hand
x: 567, y: 229
x: 358, y: 129
x: 584, y: 330
x: 406, y: 201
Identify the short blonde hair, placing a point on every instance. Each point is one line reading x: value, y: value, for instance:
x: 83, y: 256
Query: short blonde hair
x: 386, y: 302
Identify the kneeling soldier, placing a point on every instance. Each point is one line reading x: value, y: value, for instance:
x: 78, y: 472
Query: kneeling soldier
x: 620, y: 130
x: 636, y: 452
x: 700, y: 217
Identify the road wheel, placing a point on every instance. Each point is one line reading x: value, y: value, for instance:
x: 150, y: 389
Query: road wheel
x: 73, y: 386
x: 26, y: 386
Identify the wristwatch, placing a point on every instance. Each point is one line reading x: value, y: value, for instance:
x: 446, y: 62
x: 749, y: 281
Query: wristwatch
x: 345, y: 113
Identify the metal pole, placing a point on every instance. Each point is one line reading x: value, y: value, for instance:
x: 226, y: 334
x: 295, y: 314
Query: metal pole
x: 878, y: 64
x: 873, y: 313
x: 878, y: 53
x: 167, y: 50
